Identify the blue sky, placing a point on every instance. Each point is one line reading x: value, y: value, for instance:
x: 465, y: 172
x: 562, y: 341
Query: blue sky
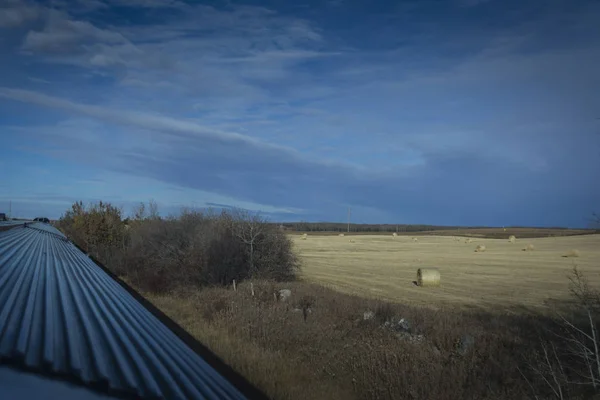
x: 457, y: 112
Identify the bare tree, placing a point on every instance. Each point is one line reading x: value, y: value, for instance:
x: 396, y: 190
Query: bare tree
x: 153, y: 209
x: 139, y: 212
x: 548, y: 367
x: 248, y: 228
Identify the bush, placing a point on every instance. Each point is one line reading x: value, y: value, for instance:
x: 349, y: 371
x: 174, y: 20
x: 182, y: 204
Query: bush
x: 93, y: 228
x: 193, y: 249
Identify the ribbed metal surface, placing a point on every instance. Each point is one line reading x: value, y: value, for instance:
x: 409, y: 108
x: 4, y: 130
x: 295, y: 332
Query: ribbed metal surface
x: 60, y: 313
x: 19, y: 385
x: 46, y: 228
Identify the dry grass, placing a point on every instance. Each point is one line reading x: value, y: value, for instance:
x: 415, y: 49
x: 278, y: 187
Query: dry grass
x: 208, y: 316
x: 336, y: 354
x: 384, y: 267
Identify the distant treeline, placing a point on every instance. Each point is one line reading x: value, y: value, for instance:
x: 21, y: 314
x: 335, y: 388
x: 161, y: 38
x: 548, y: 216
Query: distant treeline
x: 342, y: 227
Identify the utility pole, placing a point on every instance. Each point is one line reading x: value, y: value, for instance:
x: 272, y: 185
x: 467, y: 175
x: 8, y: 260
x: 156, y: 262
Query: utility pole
x: 10, y: 209
x: 348, y: 219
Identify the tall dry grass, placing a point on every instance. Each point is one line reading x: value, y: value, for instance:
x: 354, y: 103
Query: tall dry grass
x: 336, y: 354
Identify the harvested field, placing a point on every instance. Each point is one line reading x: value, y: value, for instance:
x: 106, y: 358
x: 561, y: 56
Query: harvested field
x: 499, y: 233
x: 503, y: 277
x: 490, y: 233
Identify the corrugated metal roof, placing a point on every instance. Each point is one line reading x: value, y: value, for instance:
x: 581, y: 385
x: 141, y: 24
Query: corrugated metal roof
x: 60, y: 313
x: 18, y: 385
x: 46, y: 228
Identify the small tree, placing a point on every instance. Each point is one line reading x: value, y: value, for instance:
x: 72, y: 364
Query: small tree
x: 139, y: 212
x: 153, y: 210
x: 248, y: 228
x: 95, y: 228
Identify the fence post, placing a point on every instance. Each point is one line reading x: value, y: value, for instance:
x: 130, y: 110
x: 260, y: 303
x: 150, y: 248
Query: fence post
x: 234, y: 289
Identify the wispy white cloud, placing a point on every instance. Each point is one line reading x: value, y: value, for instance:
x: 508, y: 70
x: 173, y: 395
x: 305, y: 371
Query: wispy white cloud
x: 149, y: 122
x: 64, y: 36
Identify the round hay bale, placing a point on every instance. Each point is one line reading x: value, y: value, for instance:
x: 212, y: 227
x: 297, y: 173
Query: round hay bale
x: 394, y: 234
x: 341, y: 235
x: 572, y: 253
x: 480, y: 248
x: 428, y: 277
x: 303, y: 237
x: 351, y: 240
x: 512, y: 238
x: 529, y: 247
x: 415, y: 239
x: 469, y: 240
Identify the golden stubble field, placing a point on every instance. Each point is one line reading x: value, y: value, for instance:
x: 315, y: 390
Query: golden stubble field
x: 502, y: 277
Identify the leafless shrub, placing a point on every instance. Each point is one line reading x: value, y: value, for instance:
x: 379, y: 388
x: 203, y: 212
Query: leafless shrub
x: 569, y: 360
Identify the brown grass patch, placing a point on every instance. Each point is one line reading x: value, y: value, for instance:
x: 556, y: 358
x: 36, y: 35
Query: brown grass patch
x: 336, y: 354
